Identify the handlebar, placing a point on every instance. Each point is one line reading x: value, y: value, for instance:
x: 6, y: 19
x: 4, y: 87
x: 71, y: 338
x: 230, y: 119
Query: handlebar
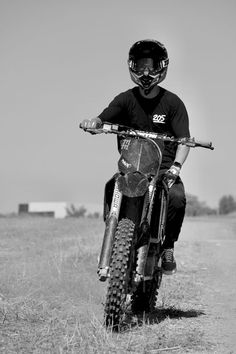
x: 124, y: 131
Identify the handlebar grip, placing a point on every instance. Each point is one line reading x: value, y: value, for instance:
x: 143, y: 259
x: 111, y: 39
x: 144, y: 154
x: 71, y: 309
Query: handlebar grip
x: 84, y: 128
x: 204, y: 144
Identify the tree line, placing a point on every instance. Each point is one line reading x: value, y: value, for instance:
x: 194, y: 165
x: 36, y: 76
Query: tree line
x: 194, y: 207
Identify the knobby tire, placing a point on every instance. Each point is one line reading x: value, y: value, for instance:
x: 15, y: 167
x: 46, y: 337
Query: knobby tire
x: 119, y: 273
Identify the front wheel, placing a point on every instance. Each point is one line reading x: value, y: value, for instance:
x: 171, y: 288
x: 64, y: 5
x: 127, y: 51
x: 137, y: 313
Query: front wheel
x: 119, y: 272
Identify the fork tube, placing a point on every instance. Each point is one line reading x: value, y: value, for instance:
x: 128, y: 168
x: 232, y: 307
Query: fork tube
x: 151, y: 200
x: 142, y: 252
x: 163, y: 215
x: 146, y: 204
x: 111, y: 224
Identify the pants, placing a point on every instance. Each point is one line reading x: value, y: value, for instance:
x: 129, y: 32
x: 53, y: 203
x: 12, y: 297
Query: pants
x: 175, y: 213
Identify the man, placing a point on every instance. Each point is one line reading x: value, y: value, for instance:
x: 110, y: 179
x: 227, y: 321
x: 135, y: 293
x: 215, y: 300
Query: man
x: 150, y: 107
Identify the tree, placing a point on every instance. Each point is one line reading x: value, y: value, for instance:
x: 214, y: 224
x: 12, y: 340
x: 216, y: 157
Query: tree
x: 196, y: 208
x: 72, y: 211
x: 227, y: 204
x: 94, y: 215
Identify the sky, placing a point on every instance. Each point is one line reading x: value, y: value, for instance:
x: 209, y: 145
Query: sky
x: 64, y: 61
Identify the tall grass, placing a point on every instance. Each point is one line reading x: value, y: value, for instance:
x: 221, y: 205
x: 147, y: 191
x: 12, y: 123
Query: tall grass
x: 51, y: 300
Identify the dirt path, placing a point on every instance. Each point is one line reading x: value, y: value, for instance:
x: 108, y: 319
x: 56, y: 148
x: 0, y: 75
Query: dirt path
x: 216, y: 263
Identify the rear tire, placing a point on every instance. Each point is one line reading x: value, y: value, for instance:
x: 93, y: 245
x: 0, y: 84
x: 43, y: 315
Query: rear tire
x: 119, y: 273
x: 145, y: 296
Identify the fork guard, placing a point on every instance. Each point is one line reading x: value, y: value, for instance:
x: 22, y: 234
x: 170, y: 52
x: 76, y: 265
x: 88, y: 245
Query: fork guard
x: 133, y: 184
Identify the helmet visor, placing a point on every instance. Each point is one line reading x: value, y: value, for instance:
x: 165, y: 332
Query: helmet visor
x: 145, y: 66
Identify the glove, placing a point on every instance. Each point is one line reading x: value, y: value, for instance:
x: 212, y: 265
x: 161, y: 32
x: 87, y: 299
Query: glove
x: 171, y: 175
x: 94, y: 123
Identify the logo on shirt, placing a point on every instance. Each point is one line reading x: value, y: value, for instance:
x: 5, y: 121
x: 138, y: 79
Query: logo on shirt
x: 159, y: 118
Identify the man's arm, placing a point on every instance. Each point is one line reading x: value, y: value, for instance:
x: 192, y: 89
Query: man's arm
x: 181, y: 153
x: 180, y: 127
x: 111, y: 114
x: 174, y: 171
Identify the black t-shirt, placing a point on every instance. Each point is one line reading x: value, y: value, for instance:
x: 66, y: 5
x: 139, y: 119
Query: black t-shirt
x: 164, y: 114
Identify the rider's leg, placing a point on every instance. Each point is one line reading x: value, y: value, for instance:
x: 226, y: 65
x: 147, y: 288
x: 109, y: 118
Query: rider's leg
x: 175, y: 212
x: 175, y: 216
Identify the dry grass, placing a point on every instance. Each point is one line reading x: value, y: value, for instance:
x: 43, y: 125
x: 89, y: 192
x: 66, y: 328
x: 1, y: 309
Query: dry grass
x: 50, y: 298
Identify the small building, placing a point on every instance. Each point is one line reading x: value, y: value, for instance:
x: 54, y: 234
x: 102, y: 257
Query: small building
x: 54, y: 209
x: 59, y: 210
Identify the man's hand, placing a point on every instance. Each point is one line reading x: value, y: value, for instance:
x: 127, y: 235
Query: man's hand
x: 94, y: 123
x: 172, y: 174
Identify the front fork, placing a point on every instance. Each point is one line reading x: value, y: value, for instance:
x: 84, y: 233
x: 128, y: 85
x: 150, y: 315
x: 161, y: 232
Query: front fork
x: 111, y: 224
x: 146, y: 254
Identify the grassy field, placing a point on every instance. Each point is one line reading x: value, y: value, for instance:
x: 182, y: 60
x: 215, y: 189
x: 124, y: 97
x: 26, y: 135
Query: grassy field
x: 51, y: 300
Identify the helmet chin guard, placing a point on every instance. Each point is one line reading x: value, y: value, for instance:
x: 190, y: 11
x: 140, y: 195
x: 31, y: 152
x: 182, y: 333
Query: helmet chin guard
x: 147, y: 83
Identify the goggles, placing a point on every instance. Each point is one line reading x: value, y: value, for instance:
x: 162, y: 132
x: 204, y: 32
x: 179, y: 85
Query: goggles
x: 146, y: 67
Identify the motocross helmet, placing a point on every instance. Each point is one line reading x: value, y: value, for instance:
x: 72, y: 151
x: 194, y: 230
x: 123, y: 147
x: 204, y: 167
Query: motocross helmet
x: 148, y: 62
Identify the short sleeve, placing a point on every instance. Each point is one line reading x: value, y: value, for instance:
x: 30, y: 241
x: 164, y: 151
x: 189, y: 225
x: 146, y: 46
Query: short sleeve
x: 114, y: 111
x: 179, y: 119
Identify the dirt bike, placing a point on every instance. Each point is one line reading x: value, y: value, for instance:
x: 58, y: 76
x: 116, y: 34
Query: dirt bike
x: 135, y: 209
